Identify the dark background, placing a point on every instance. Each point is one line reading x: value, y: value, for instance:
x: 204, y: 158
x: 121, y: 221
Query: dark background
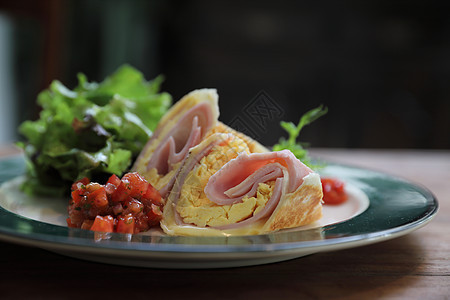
x: 381, y: 67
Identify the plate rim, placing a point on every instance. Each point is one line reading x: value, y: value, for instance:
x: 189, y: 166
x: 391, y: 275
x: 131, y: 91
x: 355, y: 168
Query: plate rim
x: 152, y: 250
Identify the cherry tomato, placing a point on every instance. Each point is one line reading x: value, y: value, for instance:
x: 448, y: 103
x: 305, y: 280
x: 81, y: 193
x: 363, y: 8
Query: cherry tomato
x: 333, y: 191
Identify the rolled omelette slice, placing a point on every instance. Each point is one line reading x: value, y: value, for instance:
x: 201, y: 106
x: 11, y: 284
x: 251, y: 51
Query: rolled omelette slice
x: 223, y: 189
x: 193, y: 118
x: 181, y: 128
x: 253, y: 145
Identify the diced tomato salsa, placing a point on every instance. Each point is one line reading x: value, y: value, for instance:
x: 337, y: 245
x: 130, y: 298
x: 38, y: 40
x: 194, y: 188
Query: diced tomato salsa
x: 127, y: 205
x: 333, y: 191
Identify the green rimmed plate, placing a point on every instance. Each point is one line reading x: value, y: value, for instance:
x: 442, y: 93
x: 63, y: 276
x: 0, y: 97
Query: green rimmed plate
x: 380, y: 207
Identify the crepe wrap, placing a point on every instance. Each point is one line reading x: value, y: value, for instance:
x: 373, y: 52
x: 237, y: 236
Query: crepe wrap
x: 185, y: 125
x: 295, y: 198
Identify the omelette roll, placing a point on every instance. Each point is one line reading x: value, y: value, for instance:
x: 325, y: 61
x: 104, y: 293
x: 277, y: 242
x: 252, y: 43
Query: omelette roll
x: 241, y: 192
x: 184, y: 126
x: 253, y: 145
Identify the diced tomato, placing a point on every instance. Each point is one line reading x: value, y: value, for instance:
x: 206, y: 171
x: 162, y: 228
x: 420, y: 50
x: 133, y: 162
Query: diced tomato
x: 333, y: 191
x: 87, y: 224
x: 98, y: 197
x: 141, y: 223
x: 110, y: 188
x: 136, y: 184
x: 133, y: 206
x: 70, y: 224
x: 127, y: 205
x: 153, y: 195
x: 103, y: 224
x: 125, y: 224
x: 120, y: 194
x: 77, y: 196
x: 83, y: 181
x: 117, y: 209
x: 114, y: 180
x: 154, y: 215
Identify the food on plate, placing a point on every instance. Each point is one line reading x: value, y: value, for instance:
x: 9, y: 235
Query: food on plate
x: 225, y: 189
x: 94, y: 130
x: 193, y: 118
x: 127, y: 205
x: 253, y: 146
x: 183, y: 127
x: 333, y: 191
x: 191, y: 173
x: 192, y: 157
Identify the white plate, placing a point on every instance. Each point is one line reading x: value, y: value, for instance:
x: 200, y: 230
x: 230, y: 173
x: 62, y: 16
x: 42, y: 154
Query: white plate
x: 380, y: 207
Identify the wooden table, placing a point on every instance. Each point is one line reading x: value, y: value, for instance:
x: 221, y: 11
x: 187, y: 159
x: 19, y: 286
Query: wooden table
x: 415, y: 266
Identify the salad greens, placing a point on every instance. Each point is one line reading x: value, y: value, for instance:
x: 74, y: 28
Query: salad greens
x: 91, y: 131
x: 297, y: 148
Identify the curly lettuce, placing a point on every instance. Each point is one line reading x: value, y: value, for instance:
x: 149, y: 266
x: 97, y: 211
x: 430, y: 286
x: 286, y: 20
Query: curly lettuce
x: 94, y: 130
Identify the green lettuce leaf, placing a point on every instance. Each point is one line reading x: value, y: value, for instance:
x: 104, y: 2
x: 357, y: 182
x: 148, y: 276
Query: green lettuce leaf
x: 94, y: 130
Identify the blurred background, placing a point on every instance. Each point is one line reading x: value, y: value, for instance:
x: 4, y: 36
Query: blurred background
x: 381, y: 67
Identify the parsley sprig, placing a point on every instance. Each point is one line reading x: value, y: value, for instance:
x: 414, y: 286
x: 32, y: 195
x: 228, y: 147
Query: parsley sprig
x: 296, y: 147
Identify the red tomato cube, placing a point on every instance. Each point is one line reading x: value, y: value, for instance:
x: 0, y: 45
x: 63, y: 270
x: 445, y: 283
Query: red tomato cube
x: 83, y: 181
x: 120, y: 194
x: 154, y: 215
x: 77, y: 196
x: 114, y: 180
x: 125, y: 224
x: 98, y: 197
x: 153, y: 195
x: 103, y: 224
x: 136, y: 184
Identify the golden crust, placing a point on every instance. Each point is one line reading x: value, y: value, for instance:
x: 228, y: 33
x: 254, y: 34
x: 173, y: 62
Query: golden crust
x: 299, y: 208
x: 253, y: 145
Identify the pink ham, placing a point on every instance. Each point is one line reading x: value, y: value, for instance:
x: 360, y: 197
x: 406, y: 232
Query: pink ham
x: 174, y: 143
x: 185, y: 134
x: 241, y: 176
x: 166, y: 153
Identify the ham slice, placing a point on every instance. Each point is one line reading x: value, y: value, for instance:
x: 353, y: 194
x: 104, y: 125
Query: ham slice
x: 186, y: 133
x: 184, y: 126
x: 241, y: 177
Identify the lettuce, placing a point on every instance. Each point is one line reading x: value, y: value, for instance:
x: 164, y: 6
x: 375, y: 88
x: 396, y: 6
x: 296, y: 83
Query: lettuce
x: 94, y: 130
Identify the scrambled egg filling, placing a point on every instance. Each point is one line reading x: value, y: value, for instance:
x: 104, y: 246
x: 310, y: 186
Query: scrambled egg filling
x: 195, y: 208
x: 158, y: 180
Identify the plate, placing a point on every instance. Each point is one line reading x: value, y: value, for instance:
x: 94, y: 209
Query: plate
x: 380, y: 207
